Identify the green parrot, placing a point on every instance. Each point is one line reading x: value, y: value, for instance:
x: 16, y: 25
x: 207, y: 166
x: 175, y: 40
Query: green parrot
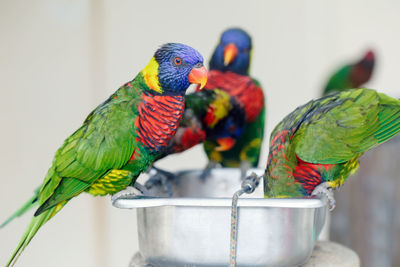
x: 229, y: 71
x: 120, y: 138
x: 352, y: 75
x: 316, y: 147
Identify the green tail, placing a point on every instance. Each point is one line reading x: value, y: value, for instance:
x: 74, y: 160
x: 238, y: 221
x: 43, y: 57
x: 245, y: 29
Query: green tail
x: 34, y: 225
x: 27, y: 206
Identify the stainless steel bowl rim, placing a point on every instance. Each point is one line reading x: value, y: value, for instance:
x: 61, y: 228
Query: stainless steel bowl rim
x: 145, y: 201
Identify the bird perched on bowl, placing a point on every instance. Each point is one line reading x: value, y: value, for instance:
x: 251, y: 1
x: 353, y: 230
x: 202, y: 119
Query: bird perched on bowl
x: 316, y: 147
x: 229, y: 71
x: 352, y: 75
x: 120, y: 138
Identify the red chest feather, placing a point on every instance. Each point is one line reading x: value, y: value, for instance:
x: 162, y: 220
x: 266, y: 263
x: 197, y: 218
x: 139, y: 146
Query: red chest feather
x: 158, y: 120
x: 210, y: 117
x: 192, y: 137
x: 310, y: 174
x: 242, y: 87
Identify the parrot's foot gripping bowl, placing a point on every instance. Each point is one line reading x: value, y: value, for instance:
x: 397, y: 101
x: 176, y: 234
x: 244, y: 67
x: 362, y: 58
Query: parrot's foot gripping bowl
x: 193, y: 227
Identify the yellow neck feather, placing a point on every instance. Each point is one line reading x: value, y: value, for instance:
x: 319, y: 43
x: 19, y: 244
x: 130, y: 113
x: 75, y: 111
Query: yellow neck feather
x: 150, y: 74
x: 221, y: 106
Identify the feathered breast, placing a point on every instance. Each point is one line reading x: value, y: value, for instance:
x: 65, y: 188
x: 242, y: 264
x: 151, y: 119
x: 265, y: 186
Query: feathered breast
x: 157, y: 121
x: 248, y: 94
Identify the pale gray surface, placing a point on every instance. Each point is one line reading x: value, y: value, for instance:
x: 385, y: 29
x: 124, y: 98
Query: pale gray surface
x: 325, y: 254
x: 331, y: 254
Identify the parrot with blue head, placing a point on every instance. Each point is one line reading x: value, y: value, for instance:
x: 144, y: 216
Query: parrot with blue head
x: 120, y: 138
x: 229, y: 71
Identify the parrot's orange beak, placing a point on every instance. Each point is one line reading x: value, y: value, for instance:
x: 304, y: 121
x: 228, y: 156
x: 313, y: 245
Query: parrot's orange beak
x: 225, y: 143
x: 198, y: 76
x: 230, y: 53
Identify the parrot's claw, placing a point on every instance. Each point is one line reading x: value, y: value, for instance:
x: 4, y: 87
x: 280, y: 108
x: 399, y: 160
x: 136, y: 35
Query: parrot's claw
x: 325, y: 189
x: 207, y: 170
x: 141, y: 188
x: 205, y: 173
x: 161, y: 178
x: 134, y: 190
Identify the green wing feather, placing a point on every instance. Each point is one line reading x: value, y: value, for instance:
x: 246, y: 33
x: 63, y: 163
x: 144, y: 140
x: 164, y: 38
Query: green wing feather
x: 90, y: 152
x: 67, y: 189
x: 359, y: 120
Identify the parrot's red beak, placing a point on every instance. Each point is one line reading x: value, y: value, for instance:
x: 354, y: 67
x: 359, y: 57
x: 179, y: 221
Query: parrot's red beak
x: 198, y: 76
x: 230, y: 53
x: 225, y: 143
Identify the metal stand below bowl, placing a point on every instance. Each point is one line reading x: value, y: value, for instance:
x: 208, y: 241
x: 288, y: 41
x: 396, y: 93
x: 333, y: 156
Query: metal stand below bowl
x: 324, y: 254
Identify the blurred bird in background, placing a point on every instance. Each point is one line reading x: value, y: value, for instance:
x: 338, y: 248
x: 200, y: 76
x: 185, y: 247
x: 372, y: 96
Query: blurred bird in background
x: 352, y: 75
x: 229, y: 71
x: 209, y: 115
x: 120, y: 138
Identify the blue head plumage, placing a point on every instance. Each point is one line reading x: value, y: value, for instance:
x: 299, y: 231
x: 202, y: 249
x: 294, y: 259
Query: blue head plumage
x: 179, y: 65
x: 233, y: 52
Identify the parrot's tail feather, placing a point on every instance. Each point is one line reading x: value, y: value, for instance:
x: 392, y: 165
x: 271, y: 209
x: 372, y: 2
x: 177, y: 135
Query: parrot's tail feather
x: 33, y: 227
x: 27, y: 206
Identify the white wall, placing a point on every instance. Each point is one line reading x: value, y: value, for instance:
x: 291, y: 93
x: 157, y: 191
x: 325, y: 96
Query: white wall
x: 59, y: 59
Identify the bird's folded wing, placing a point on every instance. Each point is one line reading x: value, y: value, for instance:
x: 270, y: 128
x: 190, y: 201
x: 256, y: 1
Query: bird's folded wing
x: 357, y: 121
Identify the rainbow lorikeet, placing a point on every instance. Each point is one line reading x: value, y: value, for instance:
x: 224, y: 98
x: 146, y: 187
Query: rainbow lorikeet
x: 352, y: 75
x: 121, y: 137
x: 229, y: 71
x: 316, y: 147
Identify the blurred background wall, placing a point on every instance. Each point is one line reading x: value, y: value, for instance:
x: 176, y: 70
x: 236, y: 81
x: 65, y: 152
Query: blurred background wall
x: 60, y: 59
x: 367, y: 218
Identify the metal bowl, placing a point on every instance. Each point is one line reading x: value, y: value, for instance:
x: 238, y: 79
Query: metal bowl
x: 193, y: 227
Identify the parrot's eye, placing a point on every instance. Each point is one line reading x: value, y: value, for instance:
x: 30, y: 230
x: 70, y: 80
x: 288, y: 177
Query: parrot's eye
x: 245, y: 50
x: 177, y: 61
